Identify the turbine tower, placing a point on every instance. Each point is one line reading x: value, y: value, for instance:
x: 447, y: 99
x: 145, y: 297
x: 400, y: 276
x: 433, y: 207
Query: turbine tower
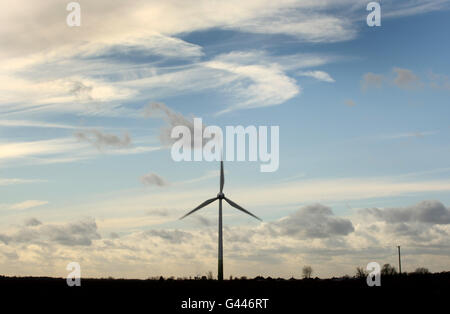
x: 220, y: 196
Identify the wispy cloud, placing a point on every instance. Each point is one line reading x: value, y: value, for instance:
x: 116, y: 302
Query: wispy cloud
x: 372, y: 80
x: 103, y: 140
x: 255, y: 84
x: 24, y: 205
x: 350, y: 103
x: 318, y: 75
x: 418, y: 134
x: 172, y: 119
x: 408, y: 8
x: 32, y: 123
x: 249, y: 79
x: 65, y: 150
x: 439, y: 81
x: 33, y: 148
x: 263, y: 199
x: 406, y: 79
x: 403, y: 78
x: 13, y: 181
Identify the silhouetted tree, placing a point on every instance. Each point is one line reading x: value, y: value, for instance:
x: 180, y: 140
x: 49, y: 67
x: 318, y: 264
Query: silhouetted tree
x: 388, y: 270
x: 422, y: 271
x: 361, y: 272
x: 307, y: 271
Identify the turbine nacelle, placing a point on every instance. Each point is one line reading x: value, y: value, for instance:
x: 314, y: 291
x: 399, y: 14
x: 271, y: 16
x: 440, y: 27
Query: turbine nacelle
x: 221, y: 196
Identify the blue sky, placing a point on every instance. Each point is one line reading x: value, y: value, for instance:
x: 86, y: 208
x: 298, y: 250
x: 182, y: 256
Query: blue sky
x: 363, y: 115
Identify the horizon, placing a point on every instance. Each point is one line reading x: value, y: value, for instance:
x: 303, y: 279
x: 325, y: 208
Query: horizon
x: 86, y: 115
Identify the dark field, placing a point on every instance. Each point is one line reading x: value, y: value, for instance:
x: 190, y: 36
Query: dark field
x: 166, y: 296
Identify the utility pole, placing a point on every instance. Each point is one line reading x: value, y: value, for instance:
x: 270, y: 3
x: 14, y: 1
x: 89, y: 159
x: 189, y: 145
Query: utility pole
x: 399, y: 261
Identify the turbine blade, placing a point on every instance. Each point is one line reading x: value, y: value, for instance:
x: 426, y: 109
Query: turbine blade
x: 200, y: 206
x: 240, y: 208
x: 222, y: 178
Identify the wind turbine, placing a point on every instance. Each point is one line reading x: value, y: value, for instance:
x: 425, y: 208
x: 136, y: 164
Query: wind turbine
x: 220, y: 196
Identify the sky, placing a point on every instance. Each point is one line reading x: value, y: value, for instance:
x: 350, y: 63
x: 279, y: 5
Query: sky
x: 86, y: 172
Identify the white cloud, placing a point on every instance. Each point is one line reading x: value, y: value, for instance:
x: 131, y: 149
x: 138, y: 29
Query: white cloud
x: 14, y: 150
x: 63, y: 94
x: 413, y: 7
x: 24, y: 205
x: 12, y: 181
x: 62, y: 150
x: 313, y: 221
x: 251, y: 79
x: 41, y: 64
x: 267, y: 85
x: 142, y: 19
x: 318, y: 75
x: 264, y: 200
x: 315, y: 28
x: 38, y: 124
x: 312, y: 235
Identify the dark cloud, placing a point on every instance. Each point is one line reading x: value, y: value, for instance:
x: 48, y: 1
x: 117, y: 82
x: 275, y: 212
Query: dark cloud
x: 81, y: 91
x: 239, y: 235
x: 153, y: 179
x: 4, y: 238
x: 407, y: 230
x: 431, y: 212
x: 173, y: 236
x: 10, y: 255
x: 203, y: 221
x: 76, y: 233
x: 103, y: 140
x: 313, y: 221
x: 114, y: 235
x: 32, y: 222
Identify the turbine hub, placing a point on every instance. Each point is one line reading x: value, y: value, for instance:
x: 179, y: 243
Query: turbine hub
x: 221, y: 196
